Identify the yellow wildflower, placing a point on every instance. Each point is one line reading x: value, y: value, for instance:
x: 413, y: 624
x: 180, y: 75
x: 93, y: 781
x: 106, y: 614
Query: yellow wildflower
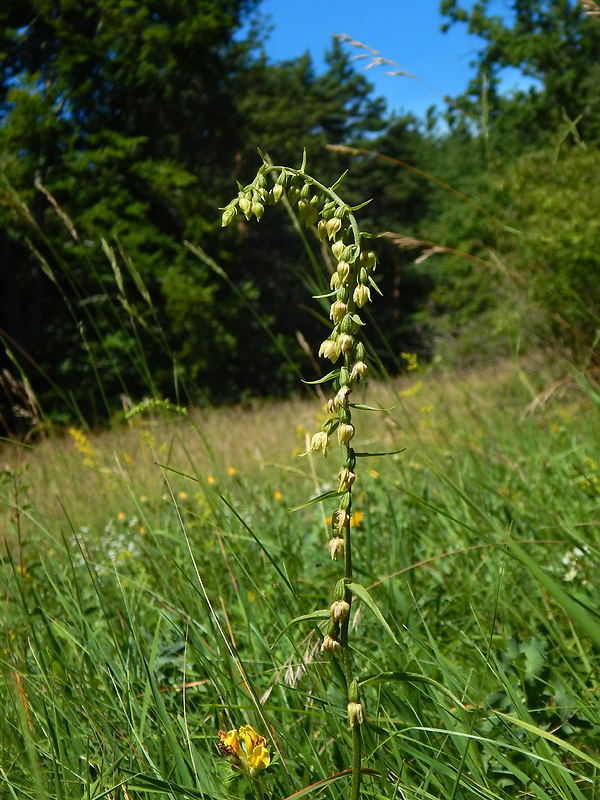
x: 84, y: 446
x: 257, y: 755
x: 231, y: 471
x: 411, y: 361
x: 210, y: 480
x: 250, y: 754
x: 278, y: 496
x: 412, y: 390
x: 357, y: 518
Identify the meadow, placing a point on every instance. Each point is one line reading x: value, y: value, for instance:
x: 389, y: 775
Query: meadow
x: 150, y: 574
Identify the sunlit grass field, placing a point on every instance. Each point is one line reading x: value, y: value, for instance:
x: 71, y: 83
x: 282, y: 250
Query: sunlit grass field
x: 150, y: 573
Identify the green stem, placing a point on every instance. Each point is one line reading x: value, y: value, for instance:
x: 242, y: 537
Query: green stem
x: 356, y: 759
x: 326, y: 190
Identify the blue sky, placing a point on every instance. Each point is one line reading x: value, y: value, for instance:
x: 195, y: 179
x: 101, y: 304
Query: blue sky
x: 405, y: 31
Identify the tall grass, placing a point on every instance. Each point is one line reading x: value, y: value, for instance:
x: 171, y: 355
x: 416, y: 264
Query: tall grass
x: 147, y: 598
x: 150, y: 573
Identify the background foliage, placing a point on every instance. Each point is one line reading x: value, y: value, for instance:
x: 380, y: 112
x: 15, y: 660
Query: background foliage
x: 128, y: 124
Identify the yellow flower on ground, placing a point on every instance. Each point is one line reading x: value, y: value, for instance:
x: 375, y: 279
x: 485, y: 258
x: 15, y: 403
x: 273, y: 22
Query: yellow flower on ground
x: 231, y: 471
x: 251, y: 754
x: 357, y: 518
x: 230, y: 743
x: 211, y: 480
x: 257, y: 755
x: 121, y: 516
x: 412, y: 390
x: 278, y: 496
x: 183, y: 495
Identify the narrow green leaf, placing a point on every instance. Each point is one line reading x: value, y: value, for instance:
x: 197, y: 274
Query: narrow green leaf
x: 580, y: 754
x: 318, y: 499
x: 329, y: 377
x: 325, y: 781
x: 361, y: 407
x: 362, y: 205
x: 366, y: 598
x: 410, y: 677
x: 389, y: 453
x: 323, y: 613
x: 374, y: 285
x: 339, y: 180
x: 303, y: 165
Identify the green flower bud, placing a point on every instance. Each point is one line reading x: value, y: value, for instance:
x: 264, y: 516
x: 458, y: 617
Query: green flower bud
x: 277, y: 192
x: 343, y: 293
x: 332, y: 645
x: 341, y: 212
x: 345, y: 432
x: 359, y: 370
x: 329, y: 425
x: 340, y: 611
x: 312, y: 215
x: 282, y: 179
x: 344, y: 378
x: 368, y: 259
x: 350, y: 459
x: 329, y: 349
x: 322, y: 229
x: 345, y: 501
x: 260, y: 181
x: 350, y: 253
x: 344, y: 342
x: 339, y: 590
x: 355, y: 714
x: 347, y: 325
x: 336, y: 547
x: 343, y: 270
x: 305, y: 192
x: 361, y: 295
x: 359, y: 351
x: 228, y: 214
x: 334, y: 226
x: 340, y: 519
x: 328, y: 210
x: 246, y: 206
x: 344, y: 415
x: 293, y: 191
x: 303, y: 207
x: 338, y: 310
x: 319, y: 442
x: 353, y: 691
x: 337, y: 248
x: 258, y: 210
x: 341, y: 398
x: 346, y: 478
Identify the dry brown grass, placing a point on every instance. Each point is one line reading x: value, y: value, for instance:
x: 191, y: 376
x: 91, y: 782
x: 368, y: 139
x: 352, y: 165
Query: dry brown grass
x: 591, y: 8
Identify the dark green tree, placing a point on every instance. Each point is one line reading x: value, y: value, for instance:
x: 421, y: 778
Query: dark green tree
x: 552, y: 41
x: 123, y: 116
